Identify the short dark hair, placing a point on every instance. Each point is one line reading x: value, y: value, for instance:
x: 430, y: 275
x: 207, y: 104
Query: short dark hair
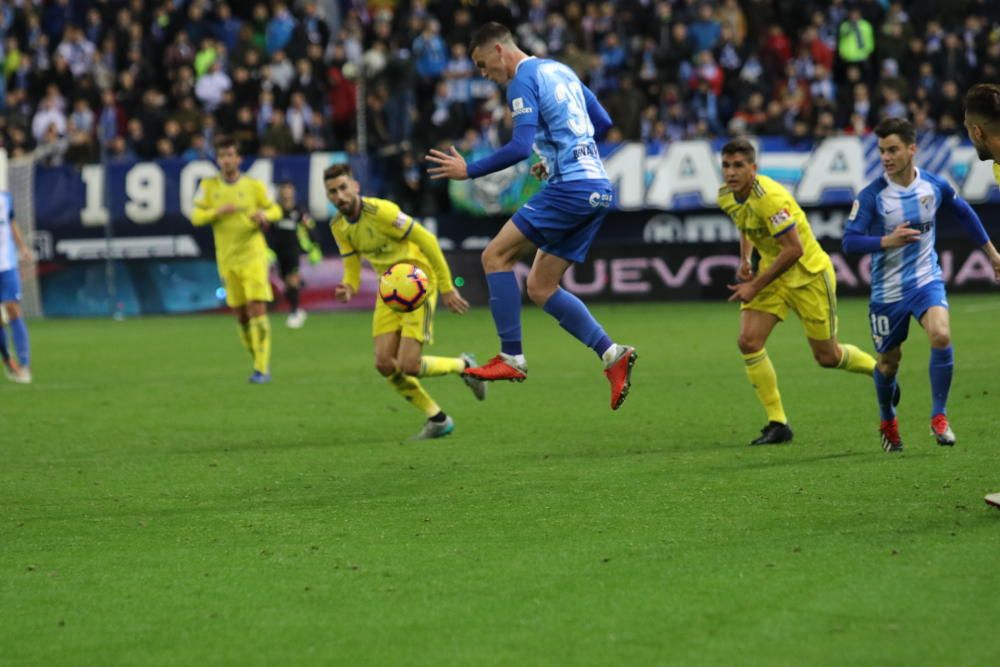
x: 898, y: 126
x: 336, y: 170
x: 226, y: 141
x: 984, y: 100
x: 741, y: 147
x: 490, y: 33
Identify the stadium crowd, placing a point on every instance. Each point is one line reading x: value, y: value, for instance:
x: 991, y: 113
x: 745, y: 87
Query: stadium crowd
x: 138, y: 79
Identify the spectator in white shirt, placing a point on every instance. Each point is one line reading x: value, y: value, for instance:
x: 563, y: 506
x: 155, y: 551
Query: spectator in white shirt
x: 211, y: 86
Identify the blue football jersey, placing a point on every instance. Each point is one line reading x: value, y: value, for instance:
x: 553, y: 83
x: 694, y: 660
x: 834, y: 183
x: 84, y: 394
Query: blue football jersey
x: 549, y: 95
x: 8, y: 251
x: 880, y: 208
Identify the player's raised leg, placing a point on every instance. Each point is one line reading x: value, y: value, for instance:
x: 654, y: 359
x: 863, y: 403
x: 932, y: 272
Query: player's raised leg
x: 412, y: 361
x: 573, y: 316
x: 937, y: 325
x: 830, y: 353
x: 755, y: 328
x: 499, y: 258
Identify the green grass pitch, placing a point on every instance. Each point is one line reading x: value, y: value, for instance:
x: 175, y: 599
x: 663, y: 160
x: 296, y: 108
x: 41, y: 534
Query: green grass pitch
x: 157, y: 510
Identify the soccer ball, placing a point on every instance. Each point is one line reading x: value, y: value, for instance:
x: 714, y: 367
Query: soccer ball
x: 404, y: 287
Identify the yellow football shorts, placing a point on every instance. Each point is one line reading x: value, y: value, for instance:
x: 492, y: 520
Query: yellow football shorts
x: 418, y: 324
x: 247, y: 283
x: 814, y: 302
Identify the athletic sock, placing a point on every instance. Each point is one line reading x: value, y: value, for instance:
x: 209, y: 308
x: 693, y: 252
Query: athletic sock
x: 764, y: 381
x: 243, y: 329
x: 435, y: 366
x: 409, y: 388
x: 4, y: 350
x: 573, y: 316
x: 941, y: 365
x: 260, y: 342
x: 854, y: 360
x: 885, y: 389
x: 505, y: 305
x: 19, y: 334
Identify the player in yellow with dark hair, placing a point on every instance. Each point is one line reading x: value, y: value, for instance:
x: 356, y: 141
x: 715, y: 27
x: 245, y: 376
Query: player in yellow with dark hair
x: 794, y: 274
x: 239, y: 210
x: 377, y: 230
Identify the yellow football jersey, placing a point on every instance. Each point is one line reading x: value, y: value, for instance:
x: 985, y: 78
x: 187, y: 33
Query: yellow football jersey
x: 238, y: 238
x: 996, y: 172
x: 381, y: 234
x: 767, y: 213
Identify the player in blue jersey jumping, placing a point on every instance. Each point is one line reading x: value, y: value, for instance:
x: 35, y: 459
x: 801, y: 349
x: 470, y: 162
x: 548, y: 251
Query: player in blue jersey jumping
x: 894, y: 220
x: 11, y: 246
x: 553, y: 110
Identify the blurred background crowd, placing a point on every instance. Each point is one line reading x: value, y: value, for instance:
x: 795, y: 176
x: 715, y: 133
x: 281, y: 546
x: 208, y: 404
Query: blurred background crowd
x: 138, y: 79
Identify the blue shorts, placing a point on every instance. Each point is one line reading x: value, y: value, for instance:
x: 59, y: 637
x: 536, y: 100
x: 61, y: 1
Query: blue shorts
x: 890, y: 322
x: 10, y: 285
x: 563, y: 218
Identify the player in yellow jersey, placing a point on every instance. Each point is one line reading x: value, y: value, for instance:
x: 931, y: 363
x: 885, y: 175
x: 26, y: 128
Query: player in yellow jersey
x: 794, y: 274
x: 982, y: 122
x: 380, y: 232
x: 239, y: 210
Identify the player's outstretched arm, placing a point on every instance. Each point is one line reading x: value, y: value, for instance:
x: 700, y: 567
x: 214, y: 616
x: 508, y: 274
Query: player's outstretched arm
x: 452, y: 165
x: 599, y: 116
x: 972, y: 225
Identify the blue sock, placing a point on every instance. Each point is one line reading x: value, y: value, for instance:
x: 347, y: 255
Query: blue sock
x: 505, y: 304
x: 19, y: 332
x: 574, y: 317
x: 4, y: 350
x: 884, y: 389
x: 942, y: 363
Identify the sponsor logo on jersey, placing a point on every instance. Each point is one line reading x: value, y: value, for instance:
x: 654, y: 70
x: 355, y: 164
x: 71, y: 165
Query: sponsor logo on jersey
x: 598, y: 200
x: 585, y: 151
x: 854, y: 210
x: 517, y: 107
x: 780, y: 217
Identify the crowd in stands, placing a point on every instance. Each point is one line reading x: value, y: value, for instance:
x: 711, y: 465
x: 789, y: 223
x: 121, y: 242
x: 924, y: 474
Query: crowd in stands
x: 140, y: 79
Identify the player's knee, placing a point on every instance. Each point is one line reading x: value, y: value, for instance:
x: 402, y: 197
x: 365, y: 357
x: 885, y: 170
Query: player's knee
x: 826, y: 358
x: 749, y: 344
x: 940, y: 339
x: 385, y: 366
x: 538, y: 292
x: 887, y: 367
x: 13, y: 310
x: 491, y: 262
x: 409, y: 366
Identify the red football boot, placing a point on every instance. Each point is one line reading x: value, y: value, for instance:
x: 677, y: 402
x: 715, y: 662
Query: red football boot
x: 619, y: 374
x: 891, y: 441
x: 500, y: 367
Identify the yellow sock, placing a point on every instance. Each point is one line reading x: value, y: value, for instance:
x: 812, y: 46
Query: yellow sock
x: 409, y: 388
x: 244, y: 331
x: 434, y: 366
x: 260, y: 342
x: 853, y: 360
x: 765, y: 383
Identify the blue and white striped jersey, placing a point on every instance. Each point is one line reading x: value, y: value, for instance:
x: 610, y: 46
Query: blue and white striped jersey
x: 883, y: 206
x: 8, y: 251
x: 549, y: 95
